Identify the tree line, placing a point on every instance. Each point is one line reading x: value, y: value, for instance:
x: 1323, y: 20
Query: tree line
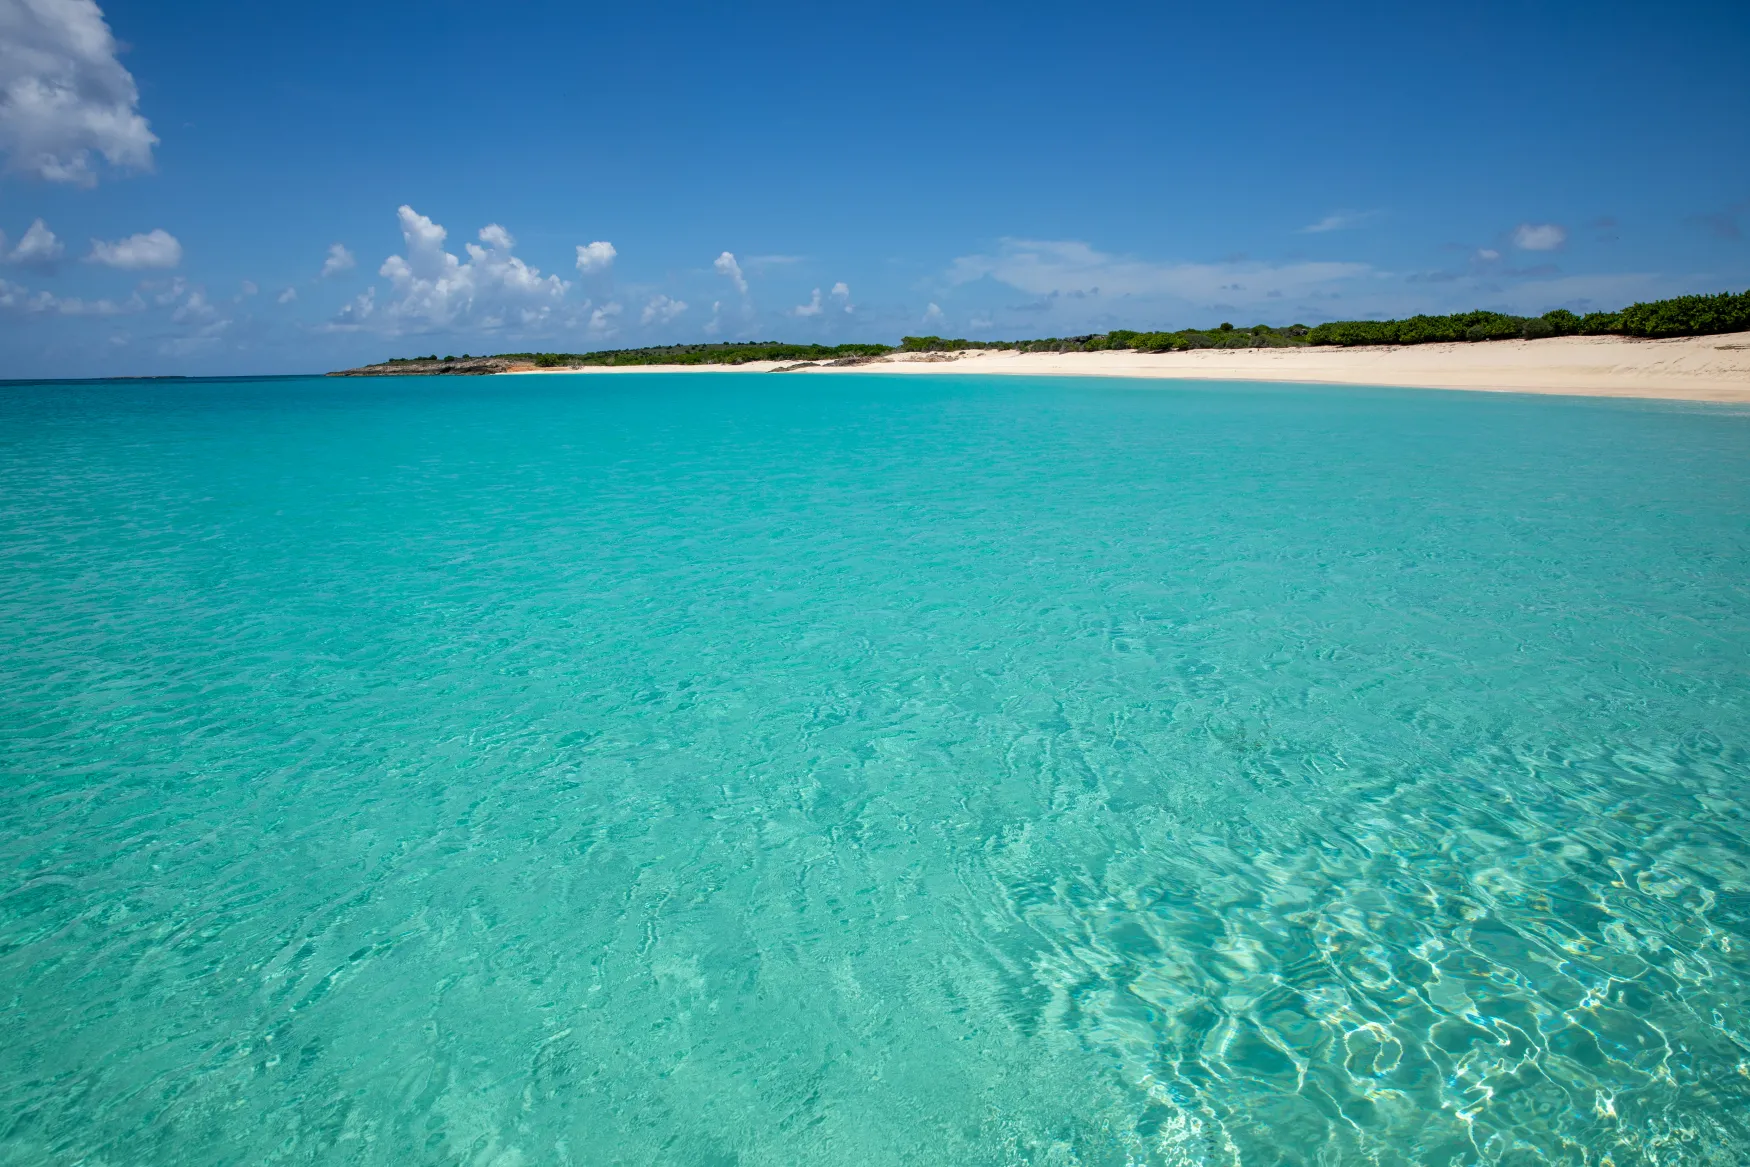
x: 724, y: 353
x: 1679, y: 316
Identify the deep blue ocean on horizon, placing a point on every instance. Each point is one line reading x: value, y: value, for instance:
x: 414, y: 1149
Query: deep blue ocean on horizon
x: 732, y: 769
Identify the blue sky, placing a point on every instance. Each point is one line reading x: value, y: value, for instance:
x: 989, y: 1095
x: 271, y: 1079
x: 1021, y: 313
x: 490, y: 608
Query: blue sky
x: 222, y: 190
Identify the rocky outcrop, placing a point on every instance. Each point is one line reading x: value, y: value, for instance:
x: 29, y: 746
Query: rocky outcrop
x: 471, y: 367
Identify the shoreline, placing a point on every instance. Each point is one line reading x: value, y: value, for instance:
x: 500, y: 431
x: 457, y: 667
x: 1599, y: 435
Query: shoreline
x: 1691, y: 368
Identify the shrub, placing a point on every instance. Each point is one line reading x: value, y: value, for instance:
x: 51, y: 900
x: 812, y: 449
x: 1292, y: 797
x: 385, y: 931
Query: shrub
x: 1681, y: 316
x: 1562, y: 322
x: 1688, y: 316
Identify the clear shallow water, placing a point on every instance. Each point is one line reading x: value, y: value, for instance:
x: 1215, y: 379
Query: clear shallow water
x: 716, y: 770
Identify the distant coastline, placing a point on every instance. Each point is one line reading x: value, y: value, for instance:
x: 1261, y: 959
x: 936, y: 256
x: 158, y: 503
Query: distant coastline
x: 1688, y: 347
x: 1698, y: 368
x: 1710, y: 368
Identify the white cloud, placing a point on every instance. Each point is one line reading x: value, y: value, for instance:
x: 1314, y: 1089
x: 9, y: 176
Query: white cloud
x: 63, y: 94
x: 19, y: 298
x: 841, y: 292
x: 195, y: 310
x: 933, y: 315
x: 596, y: 257
x: 156, y: 248
x: 1338, y: 221
x: 1539, y: 236
x: 39, y: 248
x: 1488, y: 254
x: 287, y: 296
x: 165, y: 291
x: 662, y: 310
x: 434, y: 289
x: 601, y: 321
x: 1072, y: 268
x: 73, y: 306
x: 201, y: 324
x: 339, y: 260
x: 250, y: 288
x: 726, y: 265
x: 355, y: 314
x: 716, y: 323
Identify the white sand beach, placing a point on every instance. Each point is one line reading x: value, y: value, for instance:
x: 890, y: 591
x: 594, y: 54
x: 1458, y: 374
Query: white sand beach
x: 1699, y: 368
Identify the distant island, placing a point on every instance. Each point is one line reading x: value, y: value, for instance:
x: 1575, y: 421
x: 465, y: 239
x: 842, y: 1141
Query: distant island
x: 1679, y: 316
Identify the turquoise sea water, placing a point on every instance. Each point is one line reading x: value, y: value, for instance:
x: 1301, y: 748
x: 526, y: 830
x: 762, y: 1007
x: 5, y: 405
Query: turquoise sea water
x: 726, y: 769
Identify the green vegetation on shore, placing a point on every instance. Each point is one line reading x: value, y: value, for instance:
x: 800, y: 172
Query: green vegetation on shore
x: 1226, y: 336
x: 1679, y: 316
x: 725, y: 353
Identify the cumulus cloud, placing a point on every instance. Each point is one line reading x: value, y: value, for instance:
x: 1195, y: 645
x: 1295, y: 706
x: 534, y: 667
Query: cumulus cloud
x: 339, y: 260
x: 38, y: 248
x: 193, y: 321
x: 933, y: 315
x: 434, y: 289
x: 18, y: 298
x: 601, y: 321
x: 73, y: 306
x: 63, y: 94
x: 195, y: 310
x: 726, y: 266
x: 250, y: 288
x: 662, y: 310
x: 355, y: 313
x: 595, y: 257
x: 198, y: 322
x: 165, y: 291
x: 841, y: 295
x: 1539, y: 236
x: 1072, y: 268
x: 156, y: 248
x: 1488, y: 254
x: 1338, y: 221
x: 287, y: 296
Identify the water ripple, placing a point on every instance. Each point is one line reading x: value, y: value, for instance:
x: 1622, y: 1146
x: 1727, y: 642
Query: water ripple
x: 714, y: 771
